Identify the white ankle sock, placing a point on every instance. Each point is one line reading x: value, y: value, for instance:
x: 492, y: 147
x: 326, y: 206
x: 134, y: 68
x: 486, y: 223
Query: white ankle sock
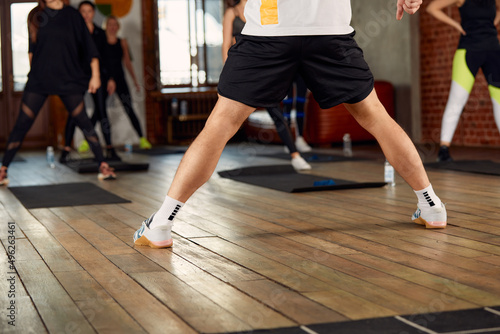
x: 167, y: 212
x: 427, y: 198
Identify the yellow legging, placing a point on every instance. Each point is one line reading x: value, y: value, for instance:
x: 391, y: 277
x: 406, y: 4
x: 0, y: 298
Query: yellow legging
x: 466, y: 64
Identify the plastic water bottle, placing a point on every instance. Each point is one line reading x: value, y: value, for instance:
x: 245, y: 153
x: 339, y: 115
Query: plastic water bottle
x: 389, y: 176
x: 174, y: 107
x: 184, y: 107
x: 50, y: 157
x: 347, y: 145
x: 128, y: 147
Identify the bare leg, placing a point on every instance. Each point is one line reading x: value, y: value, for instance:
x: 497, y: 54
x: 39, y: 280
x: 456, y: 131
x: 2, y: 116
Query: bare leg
x: 201, y: 158
x: 395, y: 143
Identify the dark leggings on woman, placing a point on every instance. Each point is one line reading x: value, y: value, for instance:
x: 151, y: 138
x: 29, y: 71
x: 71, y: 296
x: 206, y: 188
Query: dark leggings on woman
x: 30, y: 107
x: 123, y: 94
x: 300, y: 100
x: 100, y: 115
x: 282, y: 128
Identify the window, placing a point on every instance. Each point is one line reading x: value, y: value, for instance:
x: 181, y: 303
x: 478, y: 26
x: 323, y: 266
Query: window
x: 20, y: 41
x: 190, y: 40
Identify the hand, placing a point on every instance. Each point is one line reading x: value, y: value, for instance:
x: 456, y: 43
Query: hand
x: 111, y: 86
x: 409, y: 6
x: 94, y: 84
x: 461, y: 29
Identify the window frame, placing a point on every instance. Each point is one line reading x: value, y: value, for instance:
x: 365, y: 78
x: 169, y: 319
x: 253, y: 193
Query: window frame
x: 193, y: 60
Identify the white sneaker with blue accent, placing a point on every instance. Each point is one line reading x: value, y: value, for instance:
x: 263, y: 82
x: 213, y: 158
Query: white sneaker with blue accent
x: 431, y: 217
x: 299, y: 163
x: 157, y: 237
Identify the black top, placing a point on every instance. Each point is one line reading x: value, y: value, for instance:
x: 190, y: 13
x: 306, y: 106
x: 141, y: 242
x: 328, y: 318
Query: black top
x: 99, y: 37
x: 238, y: 25
x: 61, y: 54
x: 478, y: 18
x: 114, y: 54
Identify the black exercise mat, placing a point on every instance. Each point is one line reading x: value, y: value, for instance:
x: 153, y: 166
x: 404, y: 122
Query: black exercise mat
x: 285, y: 178
x: 159, y: 151
x: 388, y: 325
x: 68, y: 194
x: 474, y: 320
x: 17, y: 158
x: 284, y: 330
x: 91, y: 166
x: 313, y: 157
x: 479, y: 320
x: 471, y: 166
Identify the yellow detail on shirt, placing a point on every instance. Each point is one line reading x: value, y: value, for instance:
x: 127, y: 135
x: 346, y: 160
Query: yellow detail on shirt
x: 269, y: 12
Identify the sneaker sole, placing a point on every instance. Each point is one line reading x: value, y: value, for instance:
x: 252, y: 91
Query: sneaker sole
x: 301, y: 168
x: 427, y: 224
x: 143, y: 241
x: 105, y: 177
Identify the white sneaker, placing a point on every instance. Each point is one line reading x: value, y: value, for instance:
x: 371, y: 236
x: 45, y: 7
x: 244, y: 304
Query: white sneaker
x: 431, y: 217
x: 302, y: 145
x: 158, y: 237
x: 299, y: 163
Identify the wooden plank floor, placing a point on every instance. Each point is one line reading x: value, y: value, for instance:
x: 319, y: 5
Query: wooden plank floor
x: 245, y: 257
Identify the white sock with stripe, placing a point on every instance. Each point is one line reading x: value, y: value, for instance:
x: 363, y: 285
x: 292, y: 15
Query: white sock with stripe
x: 427, y: 198
x: 166, y: 213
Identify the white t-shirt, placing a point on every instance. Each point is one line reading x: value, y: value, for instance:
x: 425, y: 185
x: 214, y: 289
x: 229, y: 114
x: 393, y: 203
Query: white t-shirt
x: 297, y: 17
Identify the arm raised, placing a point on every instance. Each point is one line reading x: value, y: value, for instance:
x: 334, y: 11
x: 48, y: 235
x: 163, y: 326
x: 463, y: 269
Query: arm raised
x: 436, y: 7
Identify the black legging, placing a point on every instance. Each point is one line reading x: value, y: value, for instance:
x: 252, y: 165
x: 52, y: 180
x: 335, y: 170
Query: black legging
x: 123, y: 94
x: 100, y: 114
x: 30, y: 107
x: 300, y: 100
x: 282, y: 128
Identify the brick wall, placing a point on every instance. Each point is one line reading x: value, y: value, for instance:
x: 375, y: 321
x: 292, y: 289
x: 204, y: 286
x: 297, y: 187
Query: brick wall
x: 438, y: 44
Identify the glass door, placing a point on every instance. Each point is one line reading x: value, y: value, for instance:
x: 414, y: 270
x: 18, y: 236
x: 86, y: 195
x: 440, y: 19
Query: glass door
x: 15, y: 67
x: 19, y: 43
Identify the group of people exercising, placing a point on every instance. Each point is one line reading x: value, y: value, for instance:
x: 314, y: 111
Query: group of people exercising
x: 69, y: 56
x: 265, y: 50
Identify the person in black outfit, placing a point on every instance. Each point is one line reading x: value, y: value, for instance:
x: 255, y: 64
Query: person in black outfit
x: 117, y: 51
x: 87, y: 9
x: 60, y: 52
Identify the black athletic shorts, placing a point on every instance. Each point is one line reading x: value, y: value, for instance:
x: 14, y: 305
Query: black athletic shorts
x: 259, y: 70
